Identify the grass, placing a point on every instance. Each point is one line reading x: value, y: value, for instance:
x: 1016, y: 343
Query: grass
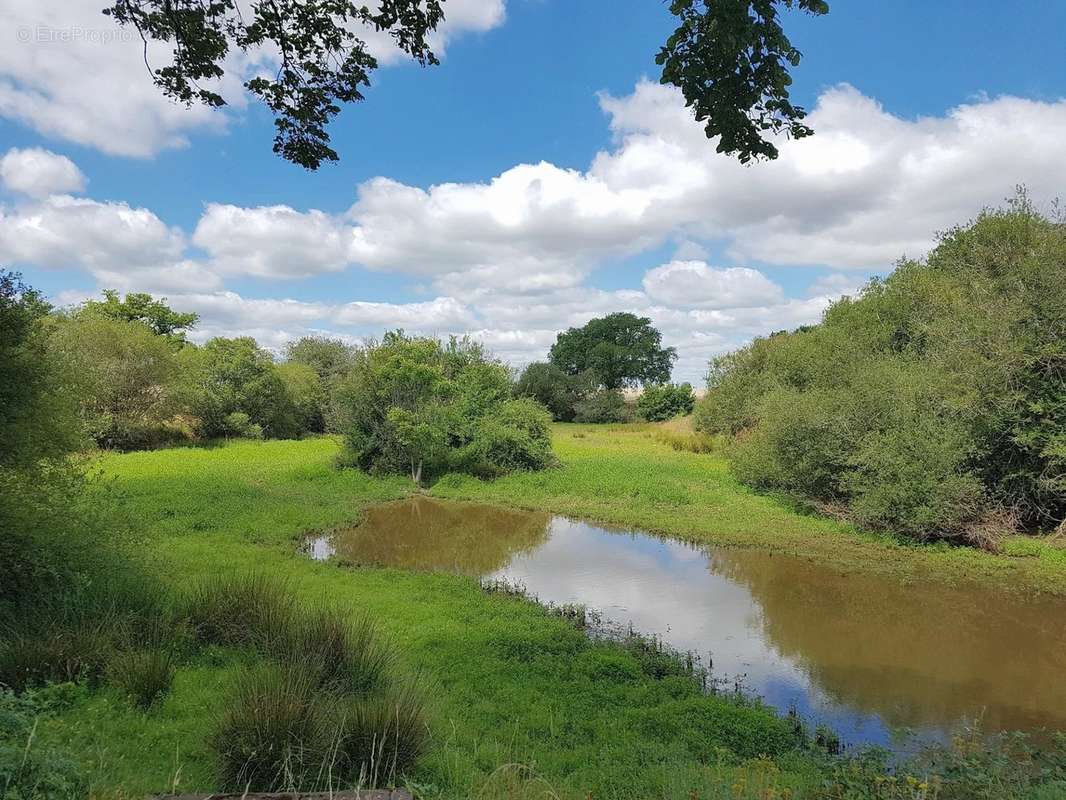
x: 519, y: 699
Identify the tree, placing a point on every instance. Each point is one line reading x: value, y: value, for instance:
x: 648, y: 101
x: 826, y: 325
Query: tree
x: 662, y: 402
x: 329, y: 358
x: 38, y: 410
x: 934, y: 404
x: 233, y: 387
x: 141, y: 307
x: 621, y: 349
x: 307, y: 394
x: 555, y: 389
x: 322, y: 62
x: 730, y: 59
x: 125, y: 375
x: 418, y: 407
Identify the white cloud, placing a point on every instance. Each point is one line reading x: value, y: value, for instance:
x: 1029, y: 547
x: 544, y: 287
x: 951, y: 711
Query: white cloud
x: 64, y: 231
x: 272, y: 241
x: 508, y: 258
x: 37, y: 172
x: 693, y: 283
x: 441, y: 314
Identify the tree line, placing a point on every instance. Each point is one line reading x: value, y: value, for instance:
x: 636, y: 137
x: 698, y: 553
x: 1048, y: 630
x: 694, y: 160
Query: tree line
x: 933, y: 404
x: 406, y: 404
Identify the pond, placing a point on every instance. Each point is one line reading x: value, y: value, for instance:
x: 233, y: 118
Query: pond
x: 878, y: 661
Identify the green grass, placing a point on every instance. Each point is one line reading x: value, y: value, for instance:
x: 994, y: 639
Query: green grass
x: 519, y: 699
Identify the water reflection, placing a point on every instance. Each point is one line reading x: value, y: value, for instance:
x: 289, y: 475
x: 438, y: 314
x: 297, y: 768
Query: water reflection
x: 863, y: 654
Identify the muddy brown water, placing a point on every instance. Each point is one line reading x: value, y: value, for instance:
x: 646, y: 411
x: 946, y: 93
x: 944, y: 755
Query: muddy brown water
x: 878, y: 661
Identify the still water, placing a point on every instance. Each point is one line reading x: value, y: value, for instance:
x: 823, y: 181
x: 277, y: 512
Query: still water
x: 877, y: 661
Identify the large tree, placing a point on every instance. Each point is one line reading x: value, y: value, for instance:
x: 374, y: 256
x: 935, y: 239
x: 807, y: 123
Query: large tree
x: 621, y: 349
x: 141, y: 307
x: 730, y: 58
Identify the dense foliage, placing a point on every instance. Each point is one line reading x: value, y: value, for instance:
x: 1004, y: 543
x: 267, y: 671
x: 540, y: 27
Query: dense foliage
x: 556, y: 390
x: 620, y: 349
x: 932, y: 405
x: 124, y: 373
x: 420, y: 407
x: 661, y: 402
x: 731, y: 62
x: 603, y: 406
x: 321, y: 59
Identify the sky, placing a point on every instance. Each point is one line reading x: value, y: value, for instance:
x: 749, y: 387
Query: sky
x: 540, y: 176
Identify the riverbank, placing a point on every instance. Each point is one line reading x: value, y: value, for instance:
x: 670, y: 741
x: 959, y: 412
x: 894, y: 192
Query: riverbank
x: 623, y: 475
x: 587, y: 719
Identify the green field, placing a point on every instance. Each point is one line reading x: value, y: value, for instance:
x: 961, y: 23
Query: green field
x: 519, y: 698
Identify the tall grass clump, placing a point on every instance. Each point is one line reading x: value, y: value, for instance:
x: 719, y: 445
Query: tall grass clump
x: 382, y: 737
x: 242, y: 610
x: 322, y: 710
x: 273, y: 734
x: 145, y: 676
x: 344, y: 651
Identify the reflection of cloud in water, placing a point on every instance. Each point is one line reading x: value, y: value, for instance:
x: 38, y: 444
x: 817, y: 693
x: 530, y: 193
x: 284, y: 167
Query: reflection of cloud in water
x: 855, y: 651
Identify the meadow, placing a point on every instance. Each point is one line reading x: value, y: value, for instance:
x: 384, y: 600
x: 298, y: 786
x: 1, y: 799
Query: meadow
x: 521, y: 703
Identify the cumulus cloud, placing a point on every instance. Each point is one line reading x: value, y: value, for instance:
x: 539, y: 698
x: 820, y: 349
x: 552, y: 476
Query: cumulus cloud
x: 64, y: 231
x: 272, y: 241
x: 693, y: 283
x: 37, y: 172
x: 509, y: 258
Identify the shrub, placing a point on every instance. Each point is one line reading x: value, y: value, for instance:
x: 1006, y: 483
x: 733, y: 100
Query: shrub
x: 144, y: 676
x: 604, y: 405
x: 28, y: 771
x: 516, y: 437
x: 420, y: 407
x: 659, y: 403
x: 227, y: 377
x: 931, y: 405
x: 125, y: 375
x: 555, y: 389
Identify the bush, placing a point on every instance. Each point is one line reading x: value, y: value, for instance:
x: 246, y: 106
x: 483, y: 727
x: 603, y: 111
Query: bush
x: 516, y: 437
x: 419, y: 407
x: 661, y: 402
x: 553, y: 388
x: 604, y: 405
x: 28, y: 771
x: 932, y: 405
x: 125, y: 375
x: 144, y: 676
x: 230, y: 377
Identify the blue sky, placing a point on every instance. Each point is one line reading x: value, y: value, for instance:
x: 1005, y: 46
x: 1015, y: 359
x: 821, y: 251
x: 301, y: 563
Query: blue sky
x: 924, y: 113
